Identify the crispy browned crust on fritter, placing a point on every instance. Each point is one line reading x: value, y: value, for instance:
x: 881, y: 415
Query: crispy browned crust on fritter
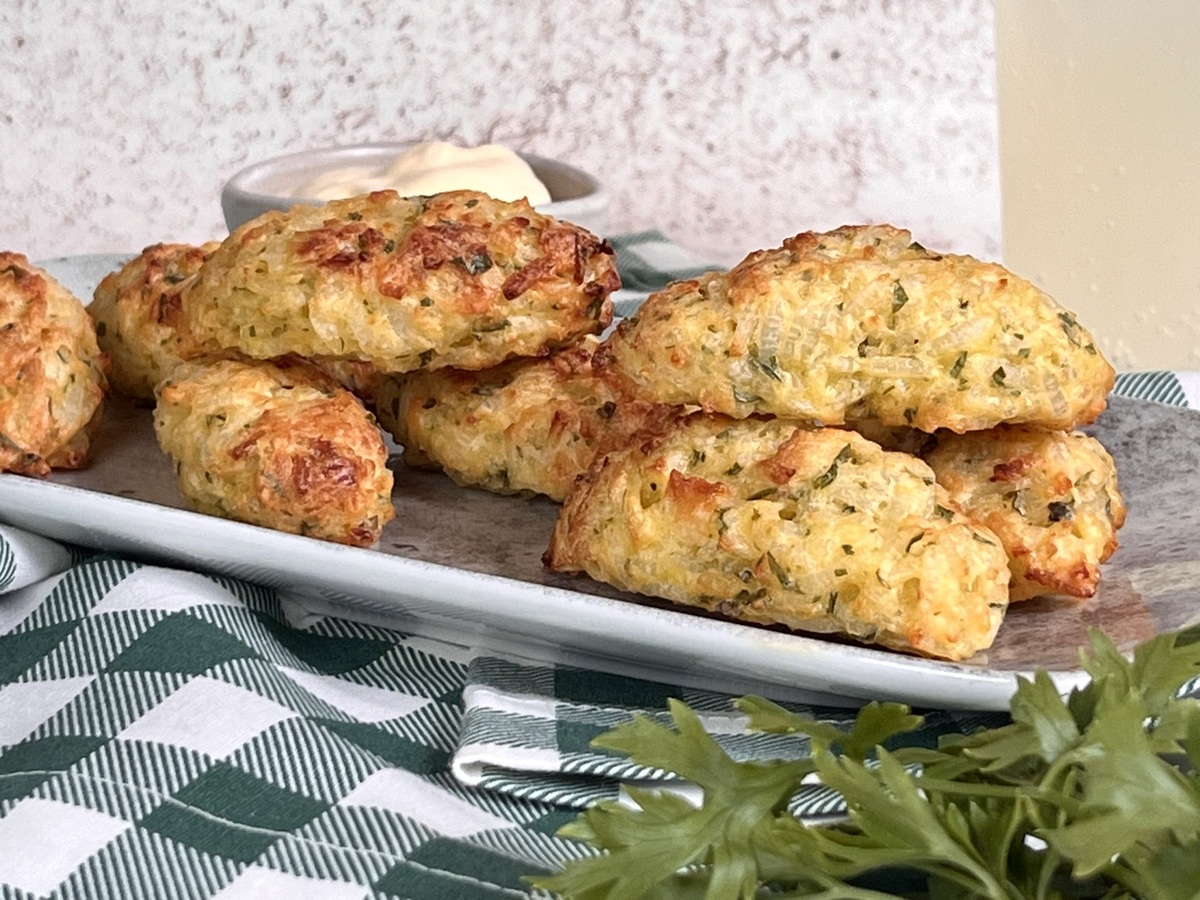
x: 1050, y: 496
x: 52, y: 373
x: 528, y: 426
x: 770, y: 522
x: 136, y: 310
x: 863, y: 323
x: 456, y: 279
x: 276, y: 444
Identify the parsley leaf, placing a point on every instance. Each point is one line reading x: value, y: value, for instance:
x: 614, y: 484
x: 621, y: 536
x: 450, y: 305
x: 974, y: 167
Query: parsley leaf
x: 1092, y: 795
x: 649, y: 846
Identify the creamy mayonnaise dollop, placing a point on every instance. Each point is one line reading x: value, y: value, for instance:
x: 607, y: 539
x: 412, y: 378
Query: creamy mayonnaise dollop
x: 433, y: 167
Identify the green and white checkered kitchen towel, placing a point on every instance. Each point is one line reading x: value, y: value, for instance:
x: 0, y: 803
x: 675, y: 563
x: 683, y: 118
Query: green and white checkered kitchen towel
x: 647, y: 260
x: 172, y: 734
x: 169, y: 733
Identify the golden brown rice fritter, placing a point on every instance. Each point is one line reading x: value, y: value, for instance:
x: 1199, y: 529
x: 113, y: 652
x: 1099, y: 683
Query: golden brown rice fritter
x: 138, y: 317
x: 52, y: 373
x: 770, y: 522
x: 276, y: 444
x: 864, y: 323
x: 526, y: 426
x: 136, y: 310
x: 456, y: 279
x: 1050, y: 496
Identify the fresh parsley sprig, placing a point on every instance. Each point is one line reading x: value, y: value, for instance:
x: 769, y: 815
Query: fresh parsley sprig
x: 1095, y: 795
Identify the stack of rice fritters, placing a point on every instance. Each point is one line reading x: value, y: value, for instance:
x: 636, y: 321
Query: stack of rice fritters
x: 861, y: 329
x: 848, y: 434
x: 237, y: 341
x: 710, y: 450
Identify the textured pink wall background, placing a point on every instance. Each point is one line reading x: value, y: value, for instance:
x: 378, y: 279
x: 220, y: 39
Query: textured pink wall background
x: 727, y: 125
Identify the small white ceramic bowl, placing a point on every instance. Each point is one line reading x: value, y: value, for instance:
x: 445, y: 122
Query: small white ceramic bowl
x: 575, y: 196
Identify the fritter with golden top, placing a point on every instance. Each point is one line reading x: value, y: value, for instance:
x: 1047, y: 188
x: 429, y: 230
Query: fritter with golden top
x: 526, y: 426
x: 863, y: 323
x: 1050, y: 496
x: 136, y: 310
x: 768, y: 521
x: 276, y: 444
x: 456, y: 279
x: 52, y: 373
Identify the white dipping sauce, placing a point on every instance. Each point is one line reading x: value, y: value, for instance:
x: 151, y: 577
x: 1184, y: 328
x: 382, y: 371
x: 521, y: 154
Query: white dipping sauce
x: 434, y: 167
